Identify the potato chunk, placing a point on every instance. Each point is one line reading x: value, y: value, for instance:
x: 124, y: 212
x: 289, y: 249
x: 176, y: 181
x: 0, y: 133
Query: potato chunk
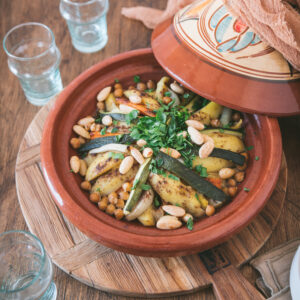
x: 175, y: 192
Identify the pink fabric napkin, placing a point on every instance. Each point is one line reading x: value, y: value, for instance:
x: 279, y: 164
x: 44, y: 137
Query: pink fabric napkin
x: 277, y: 22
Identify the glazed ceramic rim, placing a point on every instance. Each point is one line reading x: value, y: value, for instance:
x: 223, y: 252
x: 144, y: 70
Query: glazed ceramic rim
x: 175, y: 244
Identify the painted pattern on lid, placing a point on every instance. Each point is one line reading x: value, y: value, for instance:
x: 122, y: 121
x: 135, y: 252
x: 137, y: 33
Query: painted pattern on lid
x: 209, y: 29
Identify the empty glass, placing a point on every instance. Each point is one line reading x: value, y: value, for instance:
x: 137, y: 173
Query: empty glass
x: 34, y: 58
x: 25, y: 268
x: 86, y: 21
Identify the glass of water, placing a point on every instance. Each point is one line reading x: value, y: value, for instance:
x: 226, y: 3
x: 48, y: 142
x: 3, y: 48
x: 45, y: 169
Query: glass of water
x: 86, y: 21
x: 34, y: 58
x: 25, y: 268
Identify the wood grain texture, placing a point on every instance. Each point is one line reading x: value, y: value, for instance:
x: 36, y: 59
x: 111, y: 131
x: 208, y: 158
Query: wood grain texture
x: 16, y: 114
x: 119, y: 273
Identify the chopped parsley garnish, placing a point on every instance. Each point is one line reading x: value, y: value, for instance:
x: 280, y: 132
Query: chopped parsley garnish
x: 177, y: 204
x: 256, y: 157
x: 149, y: 90
x: 173, y: 177
x: 136, y: 78
x: 114, y: 130
x: 156, y: 202
x: 131, y: 116
x: 146, y: 187
x: 71, y: 171
x: 103, y: 131
x: 135, y: 183
x: 167, y: 94
x: 249, y: 148
x: 115, y: 155
x: 115, y: 122
x: 186, y: 95
x: 117, y: 80
x: 246, y: 189
x: 197, y: 197
x: 221, y: 130
x: 118, y: 137
x: 190, y: 224
x: 98, y: 190
x: 201, y: 170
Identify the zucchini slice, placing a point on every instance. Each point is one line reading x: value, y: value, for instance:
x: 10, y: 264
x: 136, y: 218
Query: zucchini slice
x: 236, y: 158
x: 190, y: 177
x: 98, y: 142
x: 223, y: 130
x: 115, y: 116
x: 140, y: 178
x: 229, y: 155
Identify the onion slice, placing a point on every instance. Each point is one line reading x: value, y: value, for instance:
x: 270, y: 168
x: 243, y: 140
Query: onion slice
x: 110, y: 147
x: 144, y: 202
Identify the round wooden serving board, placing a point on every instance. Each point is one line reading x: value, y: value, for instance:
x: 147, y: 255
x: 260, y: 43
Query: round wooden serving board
x: 116, y: 272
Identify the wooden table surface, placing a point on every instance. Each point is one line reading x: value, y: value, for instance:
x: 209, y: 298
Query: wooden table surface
x: 16, y: 114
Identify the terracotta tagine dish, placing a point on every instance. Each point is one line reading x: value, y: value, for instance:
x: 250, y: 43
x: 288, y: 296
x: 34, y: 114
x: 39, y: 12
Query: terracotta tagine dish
x: 78, y: 100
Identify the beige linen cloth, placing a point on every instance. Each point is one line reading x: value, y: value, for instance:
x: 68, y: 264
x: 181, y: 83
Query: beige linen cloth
x: 274, y: 268
x: 277, y: 22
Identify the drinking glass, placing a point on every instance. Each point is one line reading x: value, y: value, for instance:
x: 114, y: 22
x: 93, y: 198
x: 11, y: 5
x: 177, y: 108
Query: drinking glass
x: 25, y: 268
x: 86, y: 21
x: 34, y: 58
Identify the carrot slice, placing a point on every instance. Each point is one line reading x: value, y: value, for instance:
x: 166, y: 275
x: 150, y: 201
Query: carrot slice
x: 97, y: 134
x: 216, y: 182
x: 143, y: 109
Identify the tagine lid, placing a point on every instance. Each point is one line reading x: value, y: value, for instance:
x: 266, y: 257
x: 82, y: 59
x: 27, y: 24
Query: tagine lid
x: 214, y: 54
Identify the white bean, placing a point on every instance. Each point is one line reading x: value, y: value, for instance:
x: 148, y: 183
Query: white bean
x: 147, y: 152
x: 174, y: 210
x: 107, y: 120
x: 226, y: 173
x: 195, y: 135
x: 83, y: 167
x: 168, y: 222
x: 137, y: 155
x: 75, y: 164
x: 81, y: 131
x: 126, y: 164
x: 141, y: 143
x: 186, y: 217
x: 206, y: 149
x: 196, y: 124
x: 103, y: 94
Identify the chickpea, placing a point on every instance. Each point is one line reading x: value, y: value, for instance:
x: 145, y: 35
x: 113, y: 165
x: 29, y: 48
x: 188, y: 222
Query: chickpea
x: 186, y: 217
x: 86, y: 185
x: 110, y: 209
x: 118, y: 93
x: 102, y: 205
x: 243, y: 167
x: 101, y: 106
x: 75, y: 143
x: 124, y: 195
x: 236, y: 117
x: 82, y: 140
x: 120, y: 203
x: 215, y: 123
x: 210, y: 210
x: 118, y: 214
x: 104, y: 199
x: 141, y: 86
x: 166, y: 100
x: 231, y: 182
x: 113, y: 198
x: 232, y: 191
x: 150, y: 84
x: 225, y: 190
x: 131, y: 87
x: 118, y: 86
x: 239, y: 176
x: 127, y: 186
x: 95, y: 197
